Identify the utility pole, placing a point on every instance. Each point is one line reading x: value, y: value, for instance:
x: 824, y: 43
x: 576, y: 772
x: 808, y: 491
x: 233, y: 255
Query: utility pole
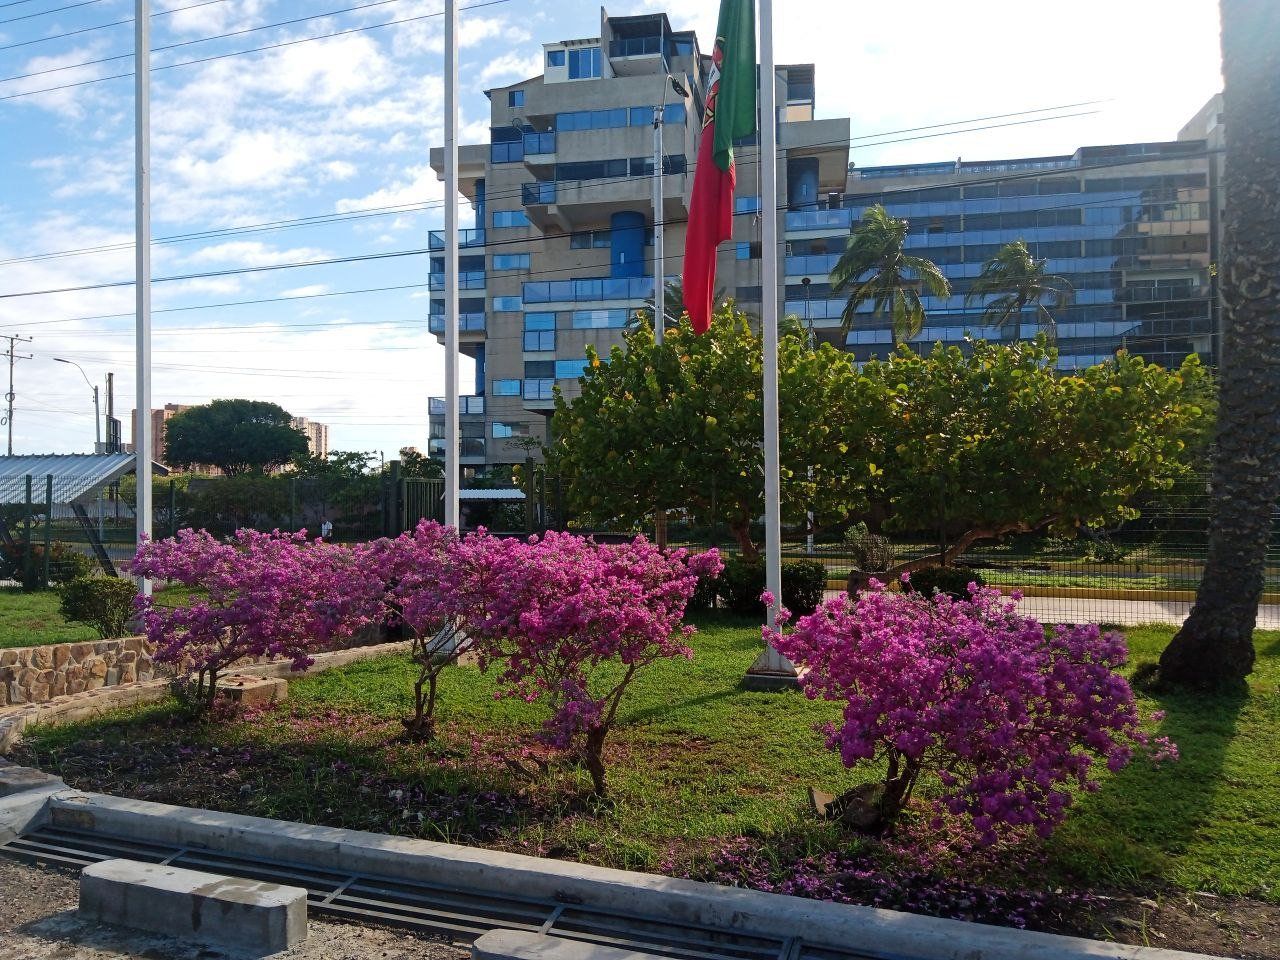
x: 142, y: 263
x: 13, y: 340
x: 452, y: 462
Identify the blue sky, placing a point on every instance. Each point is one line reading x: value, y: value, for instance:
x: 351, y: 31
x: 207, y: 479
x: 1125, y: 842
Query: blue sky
x: 344, y: 124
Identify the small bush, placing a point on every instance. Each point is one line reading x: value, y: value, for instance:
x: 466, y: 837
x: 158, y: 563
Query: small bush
x: 1105, y: 550
x: 803, y: 584
x: 105, y: 603
x: 869, y: 552
x: 740, y: 586
x: 66, y: 563
x: 953, y: 581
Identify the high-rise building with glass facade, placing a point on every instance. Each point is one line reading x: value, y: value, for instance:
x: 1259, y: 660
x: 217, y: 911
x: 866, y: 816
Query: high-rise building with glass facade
x: 561, y: 252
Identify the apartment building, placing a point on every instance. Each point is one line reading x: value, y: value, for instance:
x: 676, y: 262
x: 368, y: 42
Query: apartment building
x: 561, y: 253
x: 561, y: 256
x: 317, y: 435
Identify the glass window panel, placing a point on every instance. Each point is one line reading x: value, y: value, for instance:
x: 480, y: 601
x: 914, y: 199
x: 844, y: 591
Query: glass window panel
x: 515, y: 98
x: 540, y: 321
x: 555, y: 58
x: 570, y: 369
x: 506, y: 388
x: 508, y: 303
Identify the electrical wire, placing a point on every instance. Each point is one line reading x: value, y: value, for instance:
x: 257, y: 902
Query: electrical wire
x: 104, y: 26
x: 45, y: 13
x: 239, y: 53
x: 423, y: 206
x: 425, y: 251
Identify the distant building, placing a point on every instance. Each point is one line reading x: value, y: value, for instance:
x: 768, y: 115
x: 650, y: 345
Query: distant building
x: 159, y: 422
x: 317, y: 436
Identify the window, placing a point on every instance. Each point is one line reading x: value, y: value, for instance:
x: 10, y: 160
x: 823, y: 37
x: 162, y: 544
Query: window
x: 542, y: 388
x: 539, y: 332
x: 508, y: 304
x: 501, y: 430
x: 584, y: 63
x: 555, y: 58
x: 599, y: 239
x: 506, y: 152
x: 599, y: 319
x: 506, y: 388
x: 515, y: 98
x: 511, y: 261
x: 746, y: 204
x: 539, y: 341
x: 538, y: 369
x: 742, y: 251
x: 510, y: 218
x: 570, y: 369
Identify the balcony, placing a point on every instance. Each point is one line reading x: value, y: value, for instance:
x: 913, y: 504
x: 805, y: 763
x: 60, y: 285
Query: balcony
x: 538, y: 193
x: 581, y: 204
x: 632, y: 56
x: 470, y: 449
x: 466, y: 238
x: 627, y: 289
x: 467, y: 280
x: 467, y: 323
x: 540, y: 148
x: 826, y: 221
x: 817, y: 265
x: 468, y: 406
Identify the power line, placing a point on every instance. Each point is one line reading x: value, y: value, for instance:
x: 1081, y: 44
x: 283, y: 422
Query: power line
x: 422, y: 206
x: 45, y: 13
x: 187, y: 43
x: 238, y: 53
x: 104, y: 26
x: 423, y: 251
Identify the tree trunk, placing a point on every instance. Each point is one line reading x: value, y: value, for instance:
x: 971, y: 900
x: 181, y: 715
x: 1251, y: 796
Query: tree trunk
x: 1214, y: 648
x: 741, y: 530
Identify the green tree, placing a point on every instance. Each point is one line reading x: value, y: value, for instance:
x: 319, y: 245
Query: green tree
x: 875, y: 268
x: 415, y: 464
x: 1214, y: 648
x: 678, y: 427
x: 1016, y: 281
x: 990, y: 440
x: 237, y: 436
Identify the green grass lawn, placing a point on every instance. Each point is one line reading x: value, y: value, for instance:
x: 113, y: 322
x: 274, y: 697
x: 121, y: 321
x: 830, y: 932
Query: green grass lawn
x: 32, y: 619
x: 697, y: 761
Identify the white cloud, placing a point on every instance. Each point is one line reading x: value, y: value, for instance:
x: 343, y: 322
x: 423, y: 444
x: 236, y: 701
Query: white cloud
x: 251, y: 253
x: 419, y: 184
x: 312, y: 290
x: 511, y: 65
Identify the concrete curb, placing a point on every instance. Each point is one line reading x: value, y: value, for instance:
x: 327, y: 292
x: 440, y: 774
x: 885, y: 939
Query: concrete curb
x: 885, y: 932
x: 24, y: 797
x: 93, y: 703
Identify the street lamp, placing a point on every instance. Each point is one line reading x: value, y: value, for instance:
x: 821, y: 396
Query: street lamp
x: 97, y: 420
x: 659, y: 258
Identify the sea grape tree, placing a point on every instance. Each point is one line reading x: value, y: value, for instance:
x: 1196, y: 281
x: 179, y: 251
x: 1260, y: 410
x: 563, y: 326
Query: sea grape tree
x: 571, y: 622
x: 256, y: 594
x: 1006, y: 714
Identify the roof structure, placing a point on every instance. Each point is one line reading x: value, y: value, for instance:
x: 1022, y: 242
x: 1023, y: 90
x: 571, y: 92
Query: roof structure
x: 501, y: 494
x: 74, y: 474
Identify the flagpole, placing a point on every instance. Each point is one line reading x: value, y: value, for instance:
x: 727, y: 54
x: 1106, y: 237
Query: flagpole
x: 452, y: 471
x: 142, y: 437
x: 771, y: 669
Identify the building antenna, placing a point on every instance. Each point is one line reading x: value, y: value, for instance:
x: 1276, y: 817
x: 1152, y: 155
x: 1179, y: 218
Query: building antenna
x: 8, y: 418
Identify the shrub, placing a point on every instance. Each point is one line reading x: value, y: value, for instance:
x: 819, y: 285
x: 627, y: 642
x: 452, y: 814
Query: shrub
x: 573, y: 622
x: 740, y: 586
x: 869, y: 552
x: 417, y: 579
x: 953, y: 581
x: 66, y: 563
x: 1008, y: 716
x: 263, y: 594
x: 105, y: 603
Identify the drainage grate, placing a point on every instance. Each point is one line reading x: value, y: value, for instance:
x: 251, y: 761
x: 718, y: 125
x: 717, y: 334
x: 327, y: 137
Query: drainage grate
x: 460, y: 914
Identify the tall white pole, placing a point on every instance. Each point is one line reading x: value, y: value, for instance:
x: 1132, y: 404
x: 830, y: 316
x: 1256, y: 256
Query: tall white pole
x: 142, y: 262
x: 659, y: 261
x: 452, y: 470
x: 770, y: 667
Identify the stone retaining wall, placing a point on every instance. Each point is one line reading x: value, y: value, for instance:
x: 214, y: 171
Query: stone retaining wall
x: 38, y: 674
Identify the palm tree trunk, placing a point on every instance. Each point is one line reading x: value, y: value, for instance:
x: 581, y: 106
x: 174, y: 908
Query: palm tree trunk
x: 1214, y: 648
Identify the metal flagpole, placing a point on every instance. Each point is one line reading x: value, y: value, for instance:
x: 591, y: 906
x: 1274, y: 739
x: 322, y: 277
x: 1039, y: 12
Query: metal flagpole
x: 142, y: 263
x: 452, y: 470
x: 771, y: 668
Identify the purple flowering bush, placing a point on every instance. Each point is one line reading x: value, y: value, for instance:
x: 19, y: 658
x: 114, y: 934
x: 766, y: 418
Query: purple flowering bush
x: 1007, y: 715
x: 421, y: 575
x: 262, y: 595
x: 573, y: 622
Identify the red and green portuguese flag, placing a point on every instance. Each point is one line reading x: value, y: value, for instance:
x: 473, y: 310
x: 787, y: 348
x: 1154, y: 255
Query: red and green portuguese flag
x: 730, y: 115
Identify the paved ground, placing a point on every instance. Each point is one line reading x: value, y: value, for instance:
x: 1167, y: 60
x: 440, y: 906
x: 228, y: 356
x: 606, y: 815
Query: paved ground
x: 1078, y: 610
x: 38, y: 922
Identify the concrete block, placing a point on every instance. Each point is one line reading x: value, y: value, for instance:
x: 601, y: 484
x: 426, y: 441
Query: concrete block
x: 253, y: 691
x: 523, y: 945
x: 263, y: 918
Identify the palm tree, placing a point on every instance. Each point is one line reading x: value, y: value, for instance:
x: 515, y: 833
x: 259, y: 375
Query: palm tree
x: 1214, y: 648
x: 672, y: 304
x: 875, y: 269
x: 1016, y: 280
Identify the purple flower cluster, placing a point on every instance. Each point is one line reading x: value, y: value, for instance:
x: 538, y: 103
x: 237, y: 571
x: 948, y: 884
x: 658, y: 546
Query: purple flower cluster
x: 264, y: 595
x: 1007, y: 715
